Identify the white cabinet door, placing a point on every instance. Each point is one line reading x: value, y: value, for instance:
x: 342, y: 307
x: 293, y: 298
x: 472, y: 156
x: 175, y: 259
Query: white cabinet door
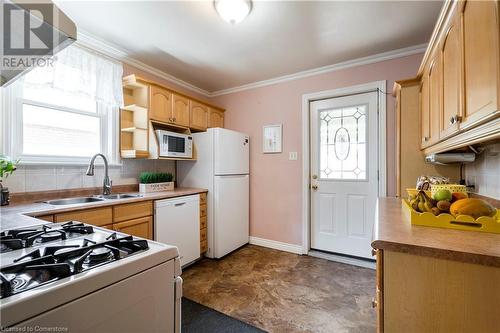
x: 177, y: 222
x: 231, y: 152
x: 231, y: 213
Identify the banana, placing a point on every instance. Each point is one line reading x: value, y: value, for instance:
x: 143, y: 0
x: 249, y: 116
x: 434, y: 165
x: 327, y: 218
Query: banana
x: 414, y: 203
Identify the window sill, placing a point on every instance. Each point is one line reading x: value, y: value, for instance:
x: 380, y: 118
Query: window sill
x: 65, y: 163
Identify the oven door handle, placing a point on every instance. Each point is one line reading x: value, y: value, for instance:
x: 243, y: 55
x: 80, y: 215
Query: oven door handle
x: 178, y: 304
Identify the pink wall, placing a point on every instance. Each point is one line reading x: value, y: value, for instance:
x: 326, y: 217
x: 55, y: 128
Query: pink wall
x: 275, y: 186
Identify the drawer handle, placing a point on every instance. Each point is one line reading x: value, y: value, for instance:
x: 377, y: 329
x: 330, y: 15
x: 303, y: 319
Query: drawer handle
x: 180, y: 204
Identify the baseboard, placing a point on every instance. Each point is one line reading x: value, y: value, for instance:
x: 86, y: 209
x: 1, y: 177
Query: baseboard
x: 272, y: 244
x: 342, y: 259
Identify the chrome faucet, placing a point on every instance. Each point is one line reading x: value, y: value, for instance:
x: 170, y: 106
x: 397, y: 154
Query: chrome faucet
x: 106, y: 186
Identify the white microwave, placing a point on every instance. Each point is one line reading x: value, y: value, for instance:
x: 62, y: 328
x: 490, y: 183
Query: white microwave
x: 173, y: 144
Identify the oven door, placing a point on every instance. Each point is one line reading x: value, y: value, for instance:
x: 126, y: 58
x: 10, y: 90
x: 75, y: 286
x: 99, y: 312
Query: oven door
x: 144, y: 302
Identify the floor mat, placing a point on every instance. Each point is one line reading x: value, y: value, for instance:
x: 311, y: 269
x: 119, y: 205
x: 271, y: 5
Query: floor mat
x: 197, y: 318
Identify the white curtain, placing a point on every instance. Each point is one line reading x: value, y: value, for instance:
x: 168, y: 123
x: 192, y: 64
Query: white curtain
x: 78, y: 71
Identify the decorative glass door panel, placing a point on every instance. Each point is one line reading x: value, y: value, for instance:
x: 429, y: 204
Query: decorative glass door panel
x: 343, y: 143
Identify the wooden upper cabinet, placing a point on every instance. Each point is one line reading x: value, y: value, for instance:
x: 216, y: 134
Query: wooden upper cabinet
x: 435, y: 97
x: 425, y: 130
x: 451, y: 113
x: 198, y: 116
x: 160, y: 104
x: 180, y: 112
x: 215, y: 118
x: 481, y: 60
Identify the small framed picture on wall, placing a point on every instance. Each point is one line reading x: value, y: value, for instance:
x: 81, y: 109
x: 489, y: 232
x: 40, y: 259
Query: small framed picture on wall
x: 271, y: 140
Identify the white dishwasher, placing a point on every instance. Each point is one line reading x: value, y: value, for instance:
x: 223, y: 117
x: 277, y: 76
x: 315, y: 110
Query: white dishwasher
x: 177, y: 222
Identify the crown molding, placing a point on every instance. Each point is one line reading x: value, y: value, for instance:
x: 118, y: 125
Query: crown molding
x: 407, y: 51
x: 87, y: 40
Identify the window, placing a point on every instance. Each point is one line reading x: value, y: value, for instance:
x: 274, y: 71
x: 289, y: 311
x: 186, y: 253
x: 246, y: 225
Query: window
x: 67, y: 112
x: 343, y: 143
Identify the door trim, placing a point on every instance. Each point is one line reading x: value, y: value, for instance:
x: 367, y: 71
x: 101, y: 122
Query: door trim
x: 380, y: 87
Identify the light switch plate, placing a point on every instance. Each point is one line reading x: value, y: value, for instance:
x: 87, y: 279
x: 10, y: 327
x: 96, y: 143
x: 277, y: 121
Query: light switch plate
x: 292, y: 156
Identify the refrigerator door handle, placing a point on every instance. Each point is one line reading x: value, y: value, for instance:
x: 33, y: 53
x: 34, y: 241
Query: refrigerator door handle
x: 178, y: 303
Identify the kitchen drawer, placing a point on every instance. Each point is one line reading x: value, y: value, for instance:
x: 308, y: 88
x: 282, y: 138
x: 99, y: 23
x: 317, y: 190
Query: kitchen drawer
x: 203, y: 234
x: 95, y: 216
x: 203, y: 198
x: 132, y: 211
x: 203, y: 210
x: 203, y: 222
x: 108, y: 226
x: 203, y: 246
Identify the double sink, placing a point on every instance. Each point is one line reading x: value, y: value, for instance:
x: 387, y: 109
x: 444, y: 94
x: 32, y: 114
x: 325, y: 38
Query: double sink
x: 94, y: 198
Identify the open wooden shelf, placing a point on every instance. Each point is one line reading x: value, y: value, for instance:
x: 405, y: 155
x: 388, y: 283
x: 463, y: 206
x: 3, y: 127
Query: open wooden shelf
x: 133, y: 153
x: 131, y: 82
x: 135, y: 108
x: 133, y: 129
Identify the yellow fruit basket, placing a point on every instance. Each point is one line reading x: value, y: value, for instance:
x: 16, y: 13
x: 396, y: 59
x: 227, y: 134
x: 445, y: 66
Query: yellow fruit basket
x: 461, y: 222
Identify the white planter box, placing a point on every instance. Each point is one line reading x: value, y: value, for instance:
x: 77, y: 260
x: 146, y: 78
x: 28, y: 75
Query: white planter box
x: 156, y: 187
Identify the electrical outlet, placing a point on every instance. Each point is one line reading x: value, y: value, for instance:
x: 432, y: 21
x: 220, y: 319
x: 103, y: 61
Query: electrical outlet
x: 292, y: 156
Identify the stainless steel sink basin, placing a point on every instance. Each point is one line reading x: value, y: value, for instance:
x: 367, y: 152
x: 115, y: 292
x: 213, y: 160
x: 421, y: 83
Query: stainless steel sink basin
x: 117, y: 196
x: 72, y: 201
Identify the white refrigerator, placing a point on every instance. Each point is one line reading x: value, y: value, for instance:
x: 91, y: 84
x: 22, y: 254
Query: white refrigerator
x: 222, y: 167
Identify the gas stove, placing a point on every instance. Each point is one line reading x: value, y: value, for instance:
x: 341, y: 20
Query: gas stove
x: 32, y: 257
x: 53, y: 272
x: 28, y: 237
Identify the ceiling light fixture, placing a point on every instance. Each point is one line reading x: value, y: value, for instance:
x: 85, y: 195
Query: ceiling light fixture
x: 233, y: 11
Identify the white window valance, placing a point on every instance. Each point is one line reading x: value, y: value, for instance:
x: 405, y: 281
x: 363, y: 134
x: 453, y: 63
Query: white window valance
x: 77, y: 71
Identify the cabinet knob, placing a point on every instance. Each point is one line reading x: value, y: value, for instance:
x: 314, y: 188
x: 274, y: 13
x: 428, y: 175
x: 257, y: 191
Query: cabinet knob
x: 455, y: 119
x: 426, y: 138
x: 173, y: 119
x: 374, y: 303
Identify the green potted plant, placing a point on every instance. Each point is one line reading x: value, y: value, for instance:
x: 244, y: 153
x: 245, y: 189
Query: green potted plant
x: 156, y: 182
x: 7, y: 167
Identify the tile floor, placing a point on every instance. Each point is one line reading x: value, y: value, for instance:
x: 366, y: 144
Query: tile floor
x: 283, y: 292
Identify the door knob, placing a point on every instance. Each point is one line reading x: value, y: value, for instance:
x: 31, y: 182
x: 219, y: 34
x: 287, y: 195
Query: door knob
x: 314, y: 176
x: 314, y: 187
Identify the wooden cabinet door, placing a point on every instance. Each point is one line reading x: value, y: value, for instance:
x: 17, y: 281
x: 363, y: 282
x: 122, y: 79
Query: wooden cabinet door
x: 435, y: 87
x: 160, y: 104
x: 215, y: 118
x: 141, y: 227
x: 425, y: 130
x: 180, y: 112
x: 481, y: 60
x: 198, y: 116
x: 452, y: 81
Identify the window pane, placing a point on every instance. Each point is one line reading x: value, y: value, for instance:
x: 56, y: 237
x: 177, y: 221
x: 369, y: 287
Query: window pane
x: 343, y: 143
x: 59, y: 133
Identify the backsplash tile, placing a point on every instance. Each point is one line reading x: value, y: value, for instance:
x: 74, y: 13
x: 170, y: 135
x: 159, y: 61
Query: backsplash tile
x: 484, y: 173
x: 33, y: 178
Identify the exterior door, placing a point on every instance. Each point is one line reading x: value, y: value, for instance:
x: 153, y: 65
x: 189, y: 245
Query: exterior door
x: 344, y: 173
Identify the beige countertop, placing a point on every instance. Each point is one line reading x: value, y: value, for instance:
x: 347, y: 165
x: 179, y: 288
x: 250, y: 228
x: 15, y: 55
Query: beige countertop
x: 392, y: 231
x: 17, y: 215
